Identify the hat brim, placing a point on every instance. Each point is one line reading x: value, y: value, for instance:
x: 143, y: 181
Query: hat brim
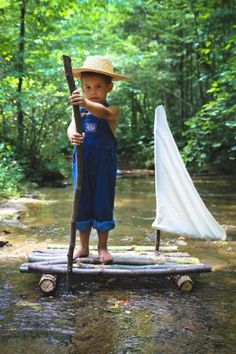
x: 115, y: 77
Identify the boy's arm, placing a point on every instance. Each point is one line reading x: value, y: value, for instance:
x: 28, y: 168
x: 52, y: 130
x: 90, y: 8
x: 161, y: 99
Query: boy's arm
x: 100, y: 111
x: 75, y: 138
x: 71, y: 129
x: 97, y: 109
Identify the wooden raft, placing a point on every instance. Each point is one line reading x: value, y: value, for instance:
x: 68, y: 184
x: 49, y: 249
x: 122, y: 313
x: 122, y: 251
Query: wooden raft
x: 128, y: 261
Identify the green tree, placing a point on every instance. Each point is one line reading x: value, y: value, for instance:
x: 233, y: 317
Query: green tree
x: 176, y: 52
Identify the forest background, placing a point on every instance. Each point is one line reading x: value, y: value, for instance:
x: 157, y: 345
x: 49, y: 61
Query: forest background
x: 179, y: 53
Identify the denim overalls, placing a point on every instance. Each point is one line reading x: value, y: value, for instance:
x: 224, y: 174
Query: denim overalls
x: 99, y: 175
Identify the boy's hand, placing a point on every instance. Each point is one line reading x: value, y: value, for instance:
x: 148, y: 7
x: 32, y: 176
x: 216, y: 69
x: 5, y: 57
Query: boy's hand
x: 76, y: 138
x: 77, y: 99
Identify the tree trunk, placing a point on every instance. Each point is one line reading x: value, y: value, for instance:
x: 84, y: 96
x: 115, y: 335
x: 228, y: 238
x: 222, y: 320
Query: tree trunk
x: 201, y: 95
x: 20, y: 69
x: 182, y: 93
x: 134, y: 111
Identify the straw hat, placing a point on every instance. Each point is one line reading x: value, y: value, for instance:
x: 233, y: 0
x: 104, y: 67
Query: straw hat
x: 100, y: 65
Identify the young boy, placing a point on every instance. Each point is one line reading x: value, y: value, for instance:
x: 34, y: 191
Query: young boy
x: 99, y: 153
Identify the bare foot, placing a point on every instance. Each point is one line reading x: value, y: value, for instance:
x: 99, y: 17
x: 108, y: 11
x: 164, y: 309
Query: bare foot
x: 81, y: 252
x: 104, y: 256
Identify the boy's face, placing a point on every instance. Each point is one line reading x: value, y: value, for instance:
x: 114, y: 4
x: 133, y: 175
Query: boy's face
x: 95, y: 88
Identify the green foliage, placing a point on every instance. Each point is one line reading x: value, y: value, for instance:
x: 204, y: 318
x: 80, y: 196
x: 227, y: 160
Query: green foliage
x: 11, y: 173
x: 177, y: 53
x: 211, y: 132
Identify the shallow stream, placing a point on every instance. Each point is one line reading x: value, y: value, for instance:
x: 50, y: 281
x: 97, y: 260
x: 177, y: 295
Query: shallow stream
x: 120, y: 317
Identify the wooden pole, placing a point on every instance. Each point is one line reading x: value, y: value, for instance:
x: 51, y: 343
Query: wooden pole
x: 163, y: 248
x: 121, y: 259
x: 79, y: 151
x: 105, y: 271
x: 158, y: 238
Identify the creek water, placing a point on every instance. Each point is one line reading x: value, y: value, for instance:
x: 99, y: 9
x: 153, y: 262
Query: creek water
x: 120, y: 316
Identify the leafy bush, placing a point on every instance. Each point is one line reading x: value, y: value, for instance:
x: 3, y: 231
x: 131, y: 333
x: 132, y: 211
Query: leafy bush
x: 211, y: 132
x: 10, y: 171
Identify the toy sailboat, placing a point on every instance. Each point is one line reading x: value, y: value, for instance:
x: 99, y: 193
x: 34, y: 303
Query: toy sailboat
x: 179, y: 207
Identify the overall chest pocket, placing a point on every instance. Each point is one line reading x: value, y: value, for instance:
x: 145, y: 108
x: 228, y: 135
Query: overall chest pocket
x: 91, y: 131
x: 91, y: 127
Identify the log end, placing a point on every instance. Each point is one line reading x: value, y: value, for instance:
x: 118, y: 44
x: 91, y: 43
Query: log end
x: 184, y: 282
x: 47, y: 284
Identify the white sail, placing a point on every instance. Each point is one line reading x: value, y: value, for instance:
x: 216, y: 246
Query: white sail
x: 179, y: 208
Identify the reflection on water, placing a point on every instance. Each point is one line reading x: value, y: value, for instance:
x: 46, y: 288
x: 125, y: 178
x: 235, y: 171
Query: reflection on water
x: 119, y: 316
